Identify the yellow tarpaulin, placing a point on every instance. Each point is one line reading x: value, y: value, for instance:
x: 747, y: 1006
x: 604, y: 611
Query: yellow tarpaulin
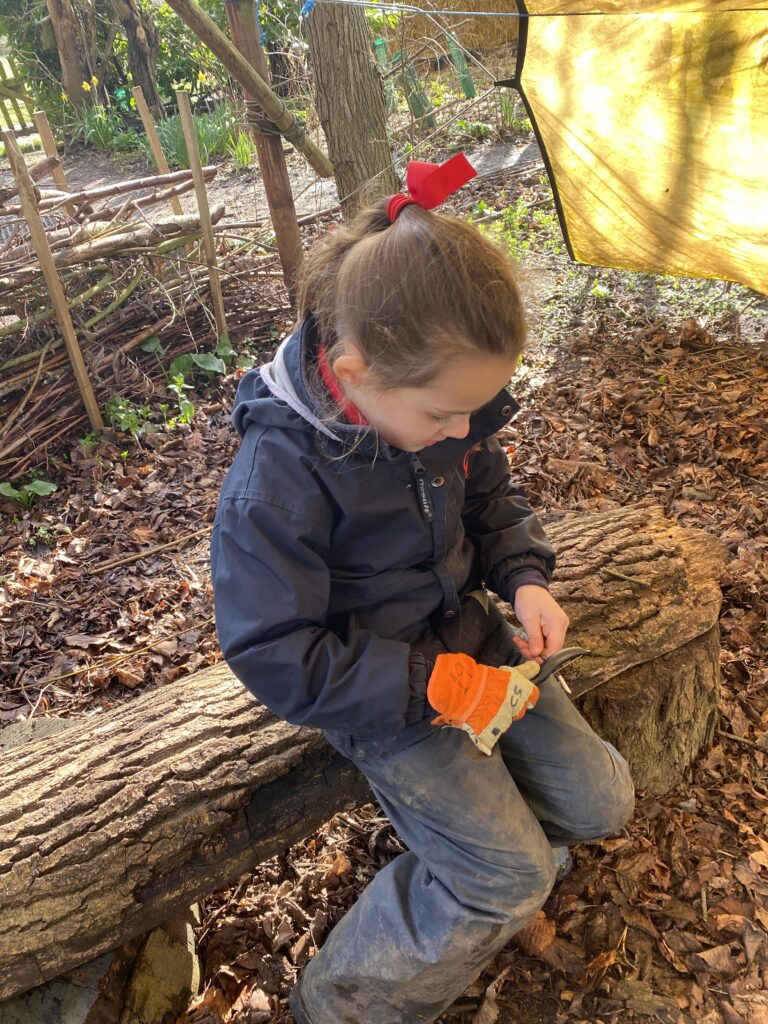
x: 653, y: 118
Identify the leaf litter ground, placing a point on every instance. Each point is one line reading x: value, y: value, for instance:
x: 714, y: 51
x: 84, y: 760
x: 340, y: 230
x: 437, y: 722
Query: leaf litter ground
x: 635, y: 389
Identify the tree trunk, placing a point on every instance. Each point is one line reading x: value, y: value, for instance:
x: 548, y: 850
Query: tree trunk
x: 106, y: 829
x: 351, y: 104
x: 66, y: 32
x: 661, y: 714
x: 109, y: 829
x: 642, y: 595
x: 142, y: 50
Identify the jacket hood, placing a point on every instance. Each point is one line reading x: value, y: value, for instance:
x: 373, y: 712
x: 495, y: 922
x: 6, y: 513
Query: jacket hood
x: 302, y: 401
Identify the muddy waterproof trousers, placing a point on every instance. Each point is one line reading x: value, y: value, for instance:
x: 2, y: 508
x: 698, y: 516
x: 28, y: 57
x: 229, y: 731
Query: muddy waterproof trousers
x: 480, y: 832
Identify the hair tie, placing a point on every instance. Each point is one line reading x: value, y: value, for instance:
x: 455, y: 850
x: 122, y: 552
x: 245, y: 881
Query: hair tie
x: 430, y: 184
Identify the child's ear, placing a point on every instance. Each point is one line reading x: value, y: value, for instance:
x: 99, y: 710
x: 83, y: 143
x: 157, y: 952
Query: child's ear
x: 350, y: 367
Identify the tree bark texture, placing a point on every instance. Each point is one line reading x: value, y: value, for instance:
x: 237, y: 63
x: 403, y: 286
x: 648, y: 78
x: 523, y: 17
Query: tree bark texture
x: 111, y: 828
x: 635, y: 585
x: 104, y: 831
x: 66, y: 32
x: 661, y: 714
x: 142, y: 50
x: 643, y: 597
x: 351, y: 105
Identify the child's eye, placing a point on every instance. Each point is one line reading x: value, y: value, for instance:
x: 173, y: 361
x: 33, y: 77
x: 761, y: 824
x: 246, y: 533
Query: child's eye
x: 439, y: 419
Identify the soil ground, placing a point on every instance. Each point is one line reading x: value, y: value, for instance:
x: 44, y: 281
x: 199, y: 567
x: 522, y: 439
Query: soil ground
x: 634, y: 388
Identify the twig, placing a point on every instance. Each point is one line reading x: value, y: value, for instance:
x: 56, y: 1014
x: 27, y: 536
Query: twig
x: 137, y: 556
x: 628, y: 579
x: 48, y: 314
x: 14, y: 415
x: 739, y: 739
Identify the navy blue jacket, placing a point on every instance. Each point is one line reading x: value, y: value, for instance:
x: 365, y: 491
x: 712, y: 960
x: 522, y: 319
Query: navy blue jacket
x: 333, y: 552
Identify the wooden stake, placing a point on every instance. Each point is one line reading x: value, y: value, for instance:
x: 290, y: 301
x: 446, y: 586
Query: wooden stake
x: 154, y: 140
x: 241, y: 15
x: 188, y: 127
x: 46, y: 137
x: 210, y: 33
x: 55, y: 289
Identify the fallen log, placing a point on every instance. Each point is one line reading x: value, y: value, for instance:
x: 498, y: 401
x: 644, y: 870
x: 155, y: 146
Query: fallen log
x: 127, y: 818
x: 643, y: 597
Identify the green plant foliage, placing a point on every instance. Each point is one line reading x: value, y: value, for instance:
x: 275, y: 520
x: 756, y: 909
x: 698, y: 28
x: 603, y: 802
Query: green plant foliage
x: 125, y: 417
x: 464, y: 133
x: 477, y: 131
x: 208, y: 362
x: 279, y: 20
x: 152, y: 344
x: 28, y: 493
x: 380, y: 17
x: 182, y: 60
x: 439, y: 92
x: 95, y: 125
x: 512, y: 114
x: 224, y: 349
x: 178, y: 387
x: 213, y: 131
x: 242, y: 149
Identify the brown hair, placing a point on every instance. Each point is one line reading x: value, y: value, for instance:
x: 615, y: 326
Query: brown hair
x: 412, y: 294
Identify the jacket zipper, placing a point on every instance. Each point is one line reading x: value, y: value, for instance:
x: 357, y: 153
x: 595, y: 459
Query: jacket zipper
x: 425, y: 498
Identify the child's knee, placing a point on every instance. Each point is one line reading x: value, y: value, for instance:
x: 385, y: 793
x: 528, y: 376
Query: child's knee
x: 609, y: 800
x: 513, y: 887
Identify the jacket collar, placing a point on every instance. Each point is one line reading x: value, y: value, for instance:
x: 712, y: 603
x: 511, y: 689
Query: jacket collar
x: 292, y: 377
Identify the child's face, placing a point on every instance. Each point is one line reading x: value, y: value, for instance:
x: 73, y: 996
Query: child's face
x: 414, y: 418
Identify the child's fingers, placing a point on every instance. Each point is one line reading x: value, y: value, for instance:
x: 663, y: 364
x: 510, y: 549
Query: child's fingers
x: 554, y: 637
x: 525, y: 649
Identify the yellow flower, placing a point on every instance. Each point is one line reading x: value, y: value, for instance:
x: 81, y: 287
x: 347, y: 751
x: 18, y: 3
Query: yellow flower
x: 94, y: 80
x: 64, y: 96
x: 86, y: 86
x: 201, y: 77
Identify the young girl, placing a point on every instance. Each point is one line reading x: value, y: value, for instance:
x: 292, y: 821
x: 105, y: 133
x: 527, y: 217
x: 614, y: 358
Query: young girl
x: 367, y: 510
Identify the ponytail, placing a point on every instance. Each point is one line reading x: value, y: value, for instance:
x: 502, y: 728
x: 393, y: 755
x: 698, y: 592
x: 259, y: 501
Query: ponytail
x: 412, y: 293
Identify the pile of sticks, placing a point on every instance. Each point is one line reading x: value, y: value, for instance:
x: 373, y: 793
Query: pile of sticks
x: 127, y: 275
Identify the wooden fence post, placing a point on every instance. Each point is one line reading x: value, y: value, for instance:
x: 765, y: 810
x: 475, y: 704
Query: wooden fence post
x: 49, y: 145
x: 48, y: 267
x: 154, y: 141
x: 241, y: 15
x: 188, y: 127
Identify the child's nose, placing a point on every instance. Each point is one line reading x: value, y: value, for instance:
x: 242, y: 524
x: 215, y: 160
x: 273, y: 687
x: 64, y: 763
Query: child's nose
x: 459, y: 429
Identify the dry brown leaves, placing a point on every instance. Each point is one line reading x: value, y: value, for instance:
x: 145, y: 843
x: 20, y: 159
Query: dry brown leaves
x: 105, y: 588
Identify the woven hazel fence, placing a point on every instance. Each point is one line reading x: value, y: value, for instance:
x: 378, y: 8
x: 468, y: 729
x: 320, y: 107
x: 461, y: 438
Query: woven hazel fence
x: 477, y: 33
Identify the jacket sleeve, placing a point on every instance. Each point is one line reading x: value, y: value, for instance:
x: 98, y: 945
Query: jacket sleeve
x: 502, y: 525
x: 271, y: 589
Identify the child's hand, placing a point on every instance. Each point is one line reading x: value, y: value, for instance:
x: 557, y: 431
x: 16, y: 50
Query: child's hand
x: 543, y: 620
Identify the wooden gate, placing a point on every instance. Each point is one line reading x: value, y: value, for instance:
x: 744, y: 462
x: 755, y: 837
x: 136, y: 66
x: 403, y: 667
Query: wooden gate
x: 15, y: 108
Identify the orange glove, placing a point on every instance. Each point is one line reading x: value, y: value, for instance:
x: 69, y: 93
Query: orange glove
x: 481, y: 700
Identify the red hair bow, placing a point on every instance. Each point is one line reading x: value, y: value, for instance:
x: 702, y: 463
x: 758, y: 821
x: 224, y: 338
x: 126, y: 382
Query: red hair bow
x: 430, y: 184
